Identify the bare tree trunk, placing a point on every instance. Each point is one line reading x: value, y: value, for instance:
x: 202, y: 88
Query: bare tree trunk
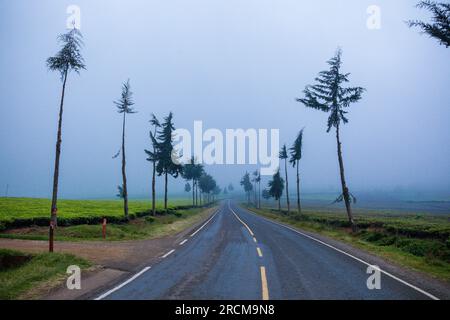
x: 54, y: 209
x: 154, y: 180
x: 279, y: 204
x: 299, y: 207
x: 165, y: 191
x: 196, y: 194
x: 193, y: 192
x: 259, y: 194
x: 154, y: 189
x: 255, y: 195
x: 287, y: 186
x: 345, y: 192
x: 124, y: 176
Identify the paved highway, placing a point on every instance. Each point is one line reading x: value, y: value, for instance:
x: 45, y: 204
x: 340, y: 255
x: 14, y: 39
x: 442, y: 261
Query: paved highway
x: 238, y: 255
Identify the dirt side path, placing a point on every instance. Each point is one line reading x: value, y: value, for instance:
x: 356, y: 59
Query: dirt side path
x: 114, y: 260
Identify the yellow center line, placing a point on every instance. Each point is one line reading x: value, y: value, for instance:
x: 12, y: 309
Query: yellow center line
x: 264, y: 287
x: 265, y: 290
x: 259, y: 252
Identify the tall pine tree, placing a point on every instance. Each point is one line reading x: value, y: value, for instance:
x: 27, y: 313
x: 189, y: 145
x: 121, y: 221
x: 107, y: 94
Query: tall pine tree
x: 439, y: 27
x: 167, y: 159
x: 276, y: 186
x: 125, y: 106
x: 296, y: 155
x: 284, y: 156
x: 329, y: 95
x: 247, y: 185
x: 189, y: 174
x: 153, y: 159
x: 67, y: 59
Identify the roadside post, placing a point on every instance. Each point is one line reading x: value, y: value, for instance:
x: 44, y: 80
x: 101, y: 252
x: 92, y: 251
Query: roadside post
x: 104, y: 228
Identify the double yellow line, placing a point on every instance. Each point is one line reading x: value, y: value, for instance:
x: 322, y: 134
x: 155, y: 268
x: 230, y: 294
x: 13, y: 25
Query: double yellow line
x: 264, y: 287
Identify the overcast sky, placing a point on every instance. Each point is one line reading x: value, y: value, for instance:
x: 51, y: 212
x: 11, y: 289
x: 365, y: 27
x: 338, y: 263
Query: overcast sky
x: 231, y: 64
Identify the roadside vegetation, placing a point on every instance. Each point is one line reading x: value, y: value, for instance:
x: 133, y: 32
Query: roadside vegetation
x: 25, y: 218
x: 137, y: 227
x: 20, y: 212
x: 21, y: 273
x: 417, y: 241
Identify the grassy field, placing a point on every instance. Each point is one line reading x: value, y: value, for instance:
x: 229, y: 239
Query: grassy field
x: 21, y: 279
x: 23, y: 208
x: 39, y: 272
x: 140, y: 228
x: 33, y: 211
x: 420, y: 242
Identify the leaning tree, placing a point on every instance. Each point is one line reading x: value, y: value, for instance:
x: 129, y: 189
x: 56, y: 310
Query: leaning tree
x: 168, y: 161
x: 296, y: 156
x: 247, y: 185
x: 330, y: 95
x: 284, y: 156
x: 276, y: 186
x: 67, y: 59
x: 153, y: 159
x: 439, y: 27
x: 258, y: 181
x: 125, y: 106
x: 198, y: 171
x: 189, y: 174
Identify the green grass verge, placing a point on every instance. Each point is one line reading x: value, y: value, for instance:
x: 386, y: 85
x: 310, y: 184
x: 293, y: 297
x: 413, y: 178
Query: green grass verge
x: 141, y: 228
x: 41, y: 268
x: 428, y: 252
x: 24, y: 212
x: 25, y: 208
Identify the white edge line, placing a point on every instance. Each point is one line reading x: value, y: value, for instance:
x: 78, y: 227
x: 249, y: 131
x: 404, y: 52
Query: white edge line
x: 245, y: 225
x: 183, y: 242
x: 349, y: 255
x: 168, y: 253
x: 198, y: 230
x: 122, y: 284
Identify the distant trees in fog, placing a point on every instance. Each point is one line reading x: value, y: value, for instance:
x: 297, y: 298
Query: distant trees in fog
x: 247, y: 185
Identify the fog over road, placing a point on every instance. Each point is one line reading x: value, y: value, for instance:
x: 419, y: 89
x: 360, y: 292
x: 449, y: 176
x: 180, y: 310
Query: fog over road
x: 238, y: 255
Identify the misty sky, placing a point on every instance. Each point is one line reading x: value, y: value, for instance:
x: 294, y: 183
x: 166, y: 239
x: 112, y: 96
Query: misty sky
x: 231, y: 64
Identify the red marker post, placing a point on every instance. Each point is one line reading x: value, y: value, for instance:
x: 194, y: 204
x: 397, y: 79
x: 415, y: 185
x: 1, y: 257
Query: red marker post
x: 51, y: 232
x: 104, y: 228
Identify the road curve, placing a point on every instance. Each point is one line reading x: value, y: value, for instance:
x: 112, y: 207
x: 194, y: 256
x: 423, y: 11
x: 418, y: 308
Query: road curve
x: 238, y: 255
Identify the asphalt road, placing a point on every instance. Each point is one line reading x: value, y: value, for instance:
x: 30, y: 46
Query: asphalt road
x: 238, y: 255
